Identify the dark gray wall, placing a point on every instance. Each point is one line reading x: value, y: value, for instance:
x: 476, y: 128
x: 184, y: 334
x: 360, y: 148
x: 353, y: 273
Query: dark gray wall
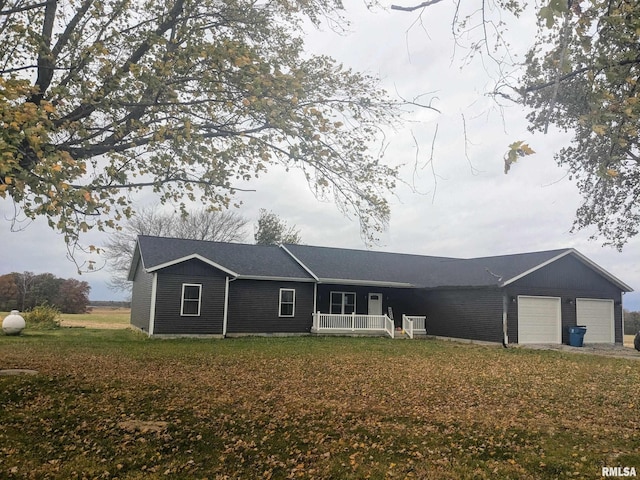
x: 169, y: 295
x: 141, y: 298
x: 253, y: 307
x: 471, y: 313
x: 569, y: 279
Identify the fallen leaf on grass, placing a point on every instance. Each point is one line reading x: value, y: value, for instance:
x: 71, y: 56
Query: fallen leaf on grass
x: 142, y: 426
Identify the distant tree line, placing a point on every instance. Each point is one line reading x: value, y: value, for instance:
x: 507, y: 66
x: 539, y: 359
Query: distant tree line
x: 24, y: 291
x: 631, y: 322
x: 110, y: 303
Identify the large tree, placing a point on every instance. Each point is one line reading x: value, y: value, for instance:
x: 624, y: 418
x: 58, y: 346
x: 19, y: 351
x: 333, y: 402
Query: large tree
x: 581, y: 75
x: 8, y: 292
x: 189, y: 98
x: 200, y: 224
x: 587, y: 83
x: 272, y: 230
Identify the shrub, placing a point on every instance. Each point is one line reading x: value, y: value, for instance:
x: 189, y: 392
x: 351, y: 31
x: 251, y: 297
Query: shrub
x: 44, y: 317
x: 631, y: 322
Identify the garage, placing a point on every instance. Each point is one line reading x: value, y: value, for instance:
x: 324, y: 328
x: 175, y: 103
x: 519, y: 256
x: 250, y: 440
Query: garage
x: 597, y: 315
x: 539, y: 320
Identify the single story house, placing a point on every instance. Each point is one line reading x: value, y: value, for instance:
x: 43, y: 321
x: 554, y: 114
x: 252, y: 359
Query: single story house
x: 191, y: 287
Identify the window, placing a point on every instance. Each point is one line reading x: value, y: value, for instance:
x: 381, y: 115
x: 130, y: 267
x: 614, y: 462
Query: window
x: 287, y: 302
x: 343, y: 303
x: 191, y: 295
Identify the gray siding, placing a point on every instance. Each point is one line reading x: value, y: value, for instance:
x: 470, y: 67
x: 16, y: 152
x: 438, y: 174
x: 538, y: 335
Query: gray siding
x: 141, y: 298
x: 169, y: 297
x: 474, y: 314
x: 567, y: 278
x: 253, y: 307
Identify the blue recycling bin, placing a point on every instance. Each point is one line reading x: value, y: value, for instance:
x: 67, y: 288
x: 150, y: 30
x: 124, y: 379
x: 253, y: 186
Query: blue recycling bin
x: 576, y: 335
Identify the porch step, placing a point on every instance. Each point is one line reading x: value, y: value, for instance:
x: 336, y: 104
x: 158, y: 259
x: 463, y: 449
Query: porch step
x: 403, y: 335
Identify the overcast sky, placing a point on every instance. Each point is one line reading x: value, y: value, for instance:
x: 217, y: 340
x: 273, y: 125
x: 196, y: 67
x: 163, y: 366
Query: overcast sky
x: 461, y: 205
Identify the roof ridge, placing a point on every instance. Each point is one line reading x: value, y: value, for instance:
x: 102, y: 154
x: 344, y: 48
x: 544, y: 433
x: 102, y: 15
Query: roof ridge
x: 347, y: 249
x: 555, y: 251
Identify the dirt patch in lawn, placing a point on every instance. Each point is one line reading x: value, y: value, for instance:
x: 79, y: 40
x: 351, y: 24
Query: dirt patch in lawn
x: 143, y: 426
x: 17, y: 371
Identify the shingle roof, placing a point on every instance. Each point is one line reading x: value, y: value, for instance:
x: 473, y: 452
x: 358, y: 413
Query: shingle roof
x: 497, y: 270
x: 239, y: 259
x: 356, y: 266
x: 347, y: 266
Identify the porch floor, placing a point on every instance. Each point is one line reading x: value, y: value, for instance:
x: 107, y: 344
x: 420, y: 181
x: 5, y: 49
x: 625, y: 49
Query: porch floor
x: 364, y: 333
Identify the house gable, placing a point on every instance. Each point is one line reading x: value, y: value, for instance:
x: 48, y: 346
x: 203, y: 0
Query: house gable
x: 169, y: 318
x: 187, y: 260
x: 235, y: 259
x: 565, y: 264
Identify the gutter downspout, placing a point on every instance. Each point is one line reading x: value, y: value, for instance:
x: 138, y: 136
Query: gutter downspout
x: 225, y: 315
x: 315, y: 296
x: 505, y: 309
x: 152, y: 310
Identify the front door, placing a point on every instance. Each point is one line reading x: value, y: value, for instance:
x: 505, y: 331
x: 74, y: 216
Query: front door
x: 375, y: 304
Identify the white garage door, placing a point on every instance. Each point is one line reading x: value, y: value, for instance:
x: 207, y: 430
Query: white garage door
x: 539, y: 320
x: 597, y: 316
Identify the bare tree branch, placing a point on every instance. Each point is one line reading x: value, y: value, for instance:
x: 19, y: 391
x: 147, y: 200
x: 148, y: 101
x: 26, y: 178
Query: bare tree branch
x: 415, y: 7
x: 25, y: 8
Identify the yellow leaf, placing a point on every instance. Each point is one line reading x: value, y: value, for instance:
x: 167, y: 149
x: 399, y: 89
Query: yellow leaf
x: 7, y: 180
x: 57, y: 168
x: 599, y: 129
x: 526, y: 149
x: 612, y: 172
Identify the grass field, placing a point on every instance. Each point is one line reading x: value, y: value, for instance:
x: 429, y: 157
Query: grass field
x: 115, y: 404
x: 98, y: 317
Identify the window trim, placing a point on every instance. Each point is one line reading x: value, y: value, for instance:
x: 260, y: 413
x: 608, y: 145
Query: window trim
x: 199, y: 285
x: 281, y: 303
x: 342, y: 305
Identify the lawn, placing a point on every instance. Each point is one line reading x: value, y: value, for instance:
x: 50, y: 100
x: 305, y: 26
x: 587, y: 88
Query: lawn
x: 115, y: 404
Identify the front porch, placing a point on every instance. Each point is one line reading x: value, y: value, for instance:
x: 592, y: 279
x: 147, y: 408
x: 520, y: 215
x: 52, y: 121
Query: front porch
x: 359, y: 324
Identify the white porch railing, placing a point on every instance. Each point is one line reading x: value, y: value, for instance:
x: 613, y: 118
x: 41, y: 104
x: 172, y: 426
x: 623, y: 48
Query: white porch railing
x: 352, y: 323
x: 389, y: 326
x: 412, y: 324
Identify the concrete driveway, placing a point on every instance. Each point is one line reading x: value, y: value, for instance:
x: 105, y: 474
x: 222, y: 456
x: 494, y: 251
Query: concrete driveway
x: 606, y: 350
